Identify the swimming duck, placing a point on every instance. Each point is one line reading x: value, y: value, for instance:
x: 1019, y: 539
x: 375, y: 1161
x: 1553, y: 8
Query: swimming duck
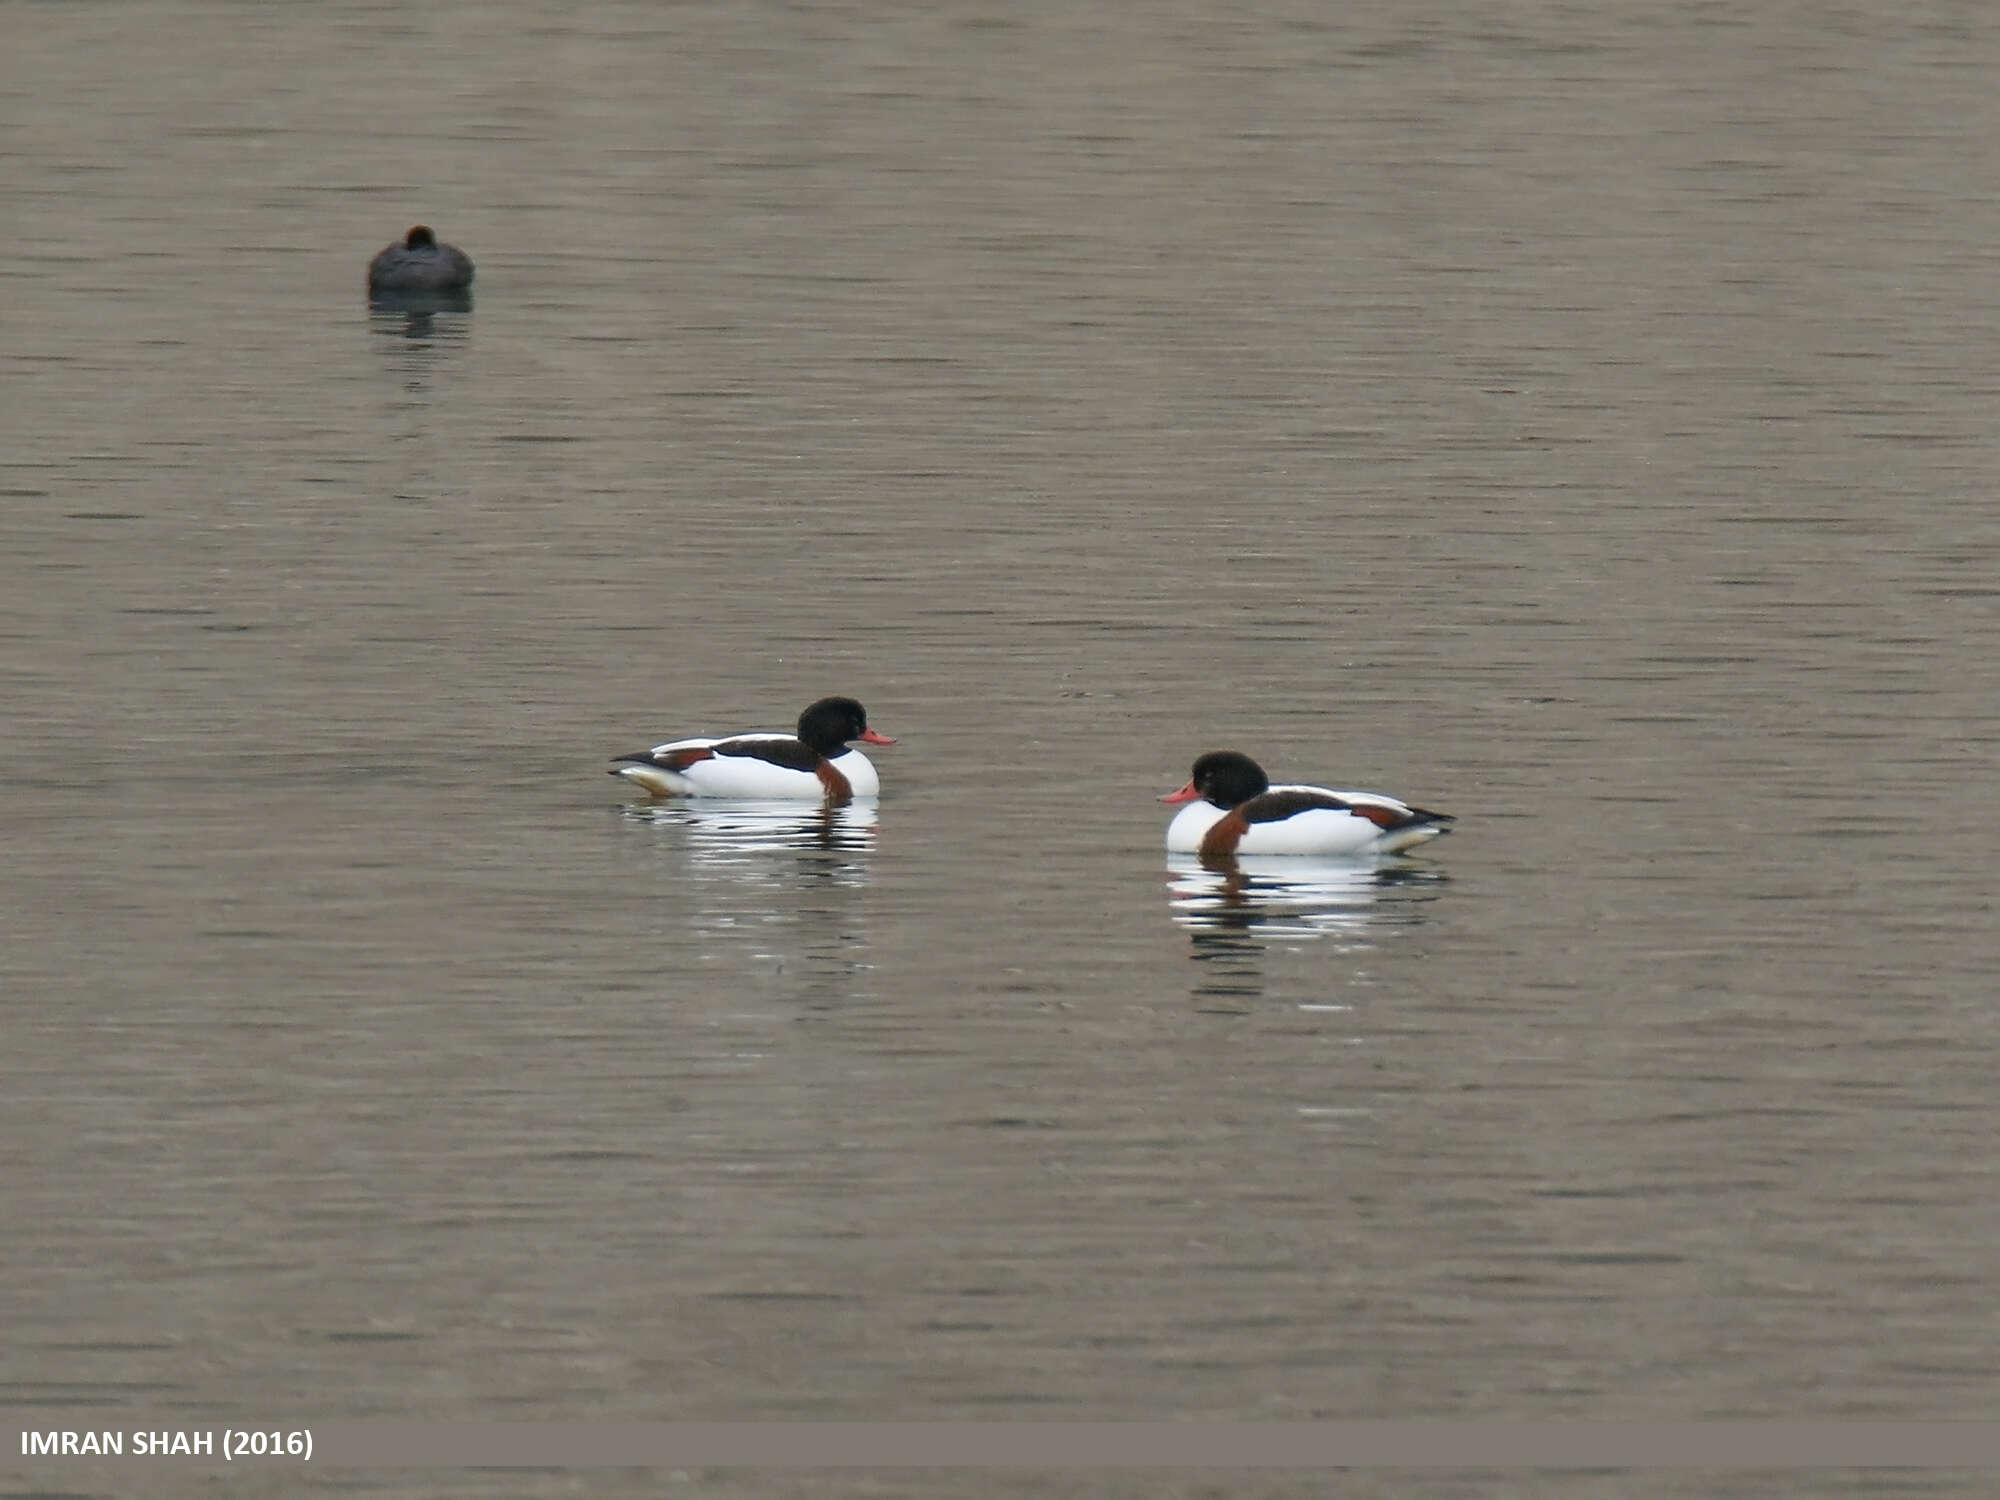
x: 420, y: 263
x: 1233, y: 809
x: 813, y: 764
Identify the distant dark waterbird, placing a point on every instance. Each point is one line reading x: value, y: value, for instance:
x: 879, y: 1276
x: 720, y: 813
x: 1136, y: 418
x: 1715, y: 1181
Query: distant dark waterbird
x: 419, y: 263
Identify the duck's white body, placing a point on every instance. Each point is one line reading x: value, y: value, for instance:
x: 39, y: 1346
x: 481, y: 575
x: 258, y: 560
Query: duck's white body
x: 1229, y: 808
x: 1314, y: 830
x: 744, y: 774
x: 764, y: 765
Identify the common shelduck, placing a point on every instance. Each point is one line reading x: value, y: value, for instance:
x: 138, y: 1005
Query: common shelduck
x: 813, y: 764
x: 419, y: 262
x: 1233, y: 809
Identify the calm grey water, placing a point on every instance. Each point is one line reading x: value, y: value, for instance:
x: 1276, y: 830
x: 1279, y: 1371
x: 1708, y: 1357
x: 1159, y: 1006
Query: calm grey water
x: 1578, y: 418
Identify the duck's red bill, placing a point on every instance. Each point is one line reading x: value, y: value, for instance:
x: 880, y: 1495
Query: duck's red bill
x: 1185, y: 794
x: 870, y: 737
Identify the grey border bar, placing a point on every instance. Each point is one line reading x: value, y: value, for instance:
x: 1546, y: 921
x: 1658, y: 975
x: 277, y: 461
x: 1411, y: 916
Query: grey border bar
x: 1194, y: 1445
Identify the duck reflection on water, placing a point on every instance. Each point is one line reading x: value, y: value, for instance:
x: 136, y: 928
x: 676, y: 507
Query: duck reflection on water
x: 772, y: 896
x: 725, y: 836
x: 1234, y: 909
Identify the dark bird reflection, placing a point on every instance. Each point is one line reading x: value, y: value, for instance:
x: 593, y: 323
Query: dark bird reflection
x: 416, y: 311
x: 418, y: 334
x: 425, y: 331
x: 1234, y: 910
